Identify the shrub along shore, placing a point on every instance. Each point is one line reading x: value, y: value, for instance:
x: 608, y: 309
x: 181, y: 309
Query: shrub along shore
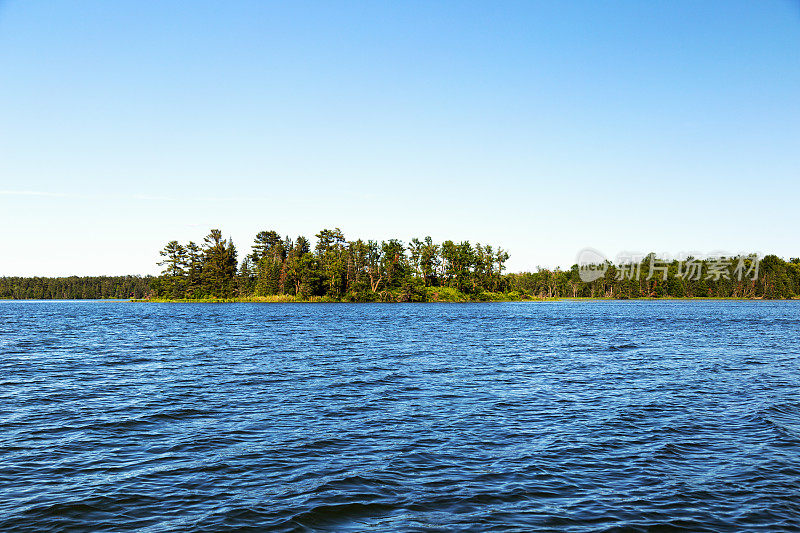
x: 430, y: 295
x: 510, y: 297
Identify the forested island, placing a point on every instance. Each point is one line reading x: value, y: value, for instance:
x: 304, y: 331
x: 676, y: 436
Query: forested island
x: 340, y: 270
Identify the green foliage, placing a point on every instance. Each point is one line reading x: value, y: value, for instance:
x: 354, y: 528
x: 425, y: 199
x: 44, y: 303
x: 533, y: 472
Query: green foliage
x: 336, y: 270
x: 76, y: 288
x: 772, y: 277
x: 445, y: 294
x: 219, y: 266
x: 423, y: 271
x: 283, y: 270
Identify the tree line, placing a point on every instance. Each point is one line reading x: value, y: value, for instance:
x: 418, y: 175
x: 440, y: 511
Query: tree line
x: 338, y: 269
x: 335, y: 269
x: 769, y: 277
x: 75, y: 287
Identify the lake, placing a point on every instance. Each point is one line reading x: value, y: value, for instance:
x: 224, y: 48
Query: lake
x: 562, y: 416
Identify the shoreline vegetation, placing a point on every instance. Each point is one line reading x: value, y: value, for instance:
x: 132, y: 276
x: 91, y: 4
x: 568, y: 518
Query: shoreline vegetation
x: 75, y: 287
x: 432, y: 297
x: 340, y: 270
x: 315, y: 300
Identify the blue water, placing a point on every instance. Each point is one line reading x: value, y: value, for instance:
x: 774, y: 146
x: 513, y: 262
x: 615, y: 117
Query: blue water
x: 565, y: 416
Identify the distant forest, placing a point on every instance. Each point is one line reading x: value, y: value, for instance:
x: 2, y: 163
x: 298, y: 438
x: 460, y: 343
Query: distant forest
x: 337, y: 269
x: 75, y: 287
x: 769, y: 278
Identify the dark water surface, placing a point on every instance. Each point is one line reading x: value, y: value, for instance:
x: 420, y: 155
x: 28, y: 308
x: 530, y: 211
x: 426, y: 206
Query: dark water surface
x: 533, y: 416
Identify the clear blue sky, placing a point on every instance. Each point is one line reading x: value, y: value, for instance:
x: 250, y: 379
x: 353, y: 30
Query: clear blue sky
x: 544, y: 127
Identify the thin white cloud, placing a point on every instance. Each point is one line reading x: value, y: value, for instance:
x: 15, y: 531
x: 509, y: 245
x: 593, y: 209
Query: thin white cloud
x: 149, y: 197
x: 83, y: 196
x: 34, y: 193
x: 142, y: 197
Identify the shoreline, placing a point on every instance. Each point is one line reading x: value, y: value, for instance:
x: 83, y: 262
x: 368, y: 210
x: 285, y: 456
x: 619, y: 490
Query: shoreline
x: 320, y: 299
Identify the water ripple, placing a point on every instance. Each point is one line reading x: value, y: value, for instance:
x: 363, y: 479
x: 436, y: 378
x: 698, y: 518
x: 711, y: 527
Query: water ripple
x: 566, y: 416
